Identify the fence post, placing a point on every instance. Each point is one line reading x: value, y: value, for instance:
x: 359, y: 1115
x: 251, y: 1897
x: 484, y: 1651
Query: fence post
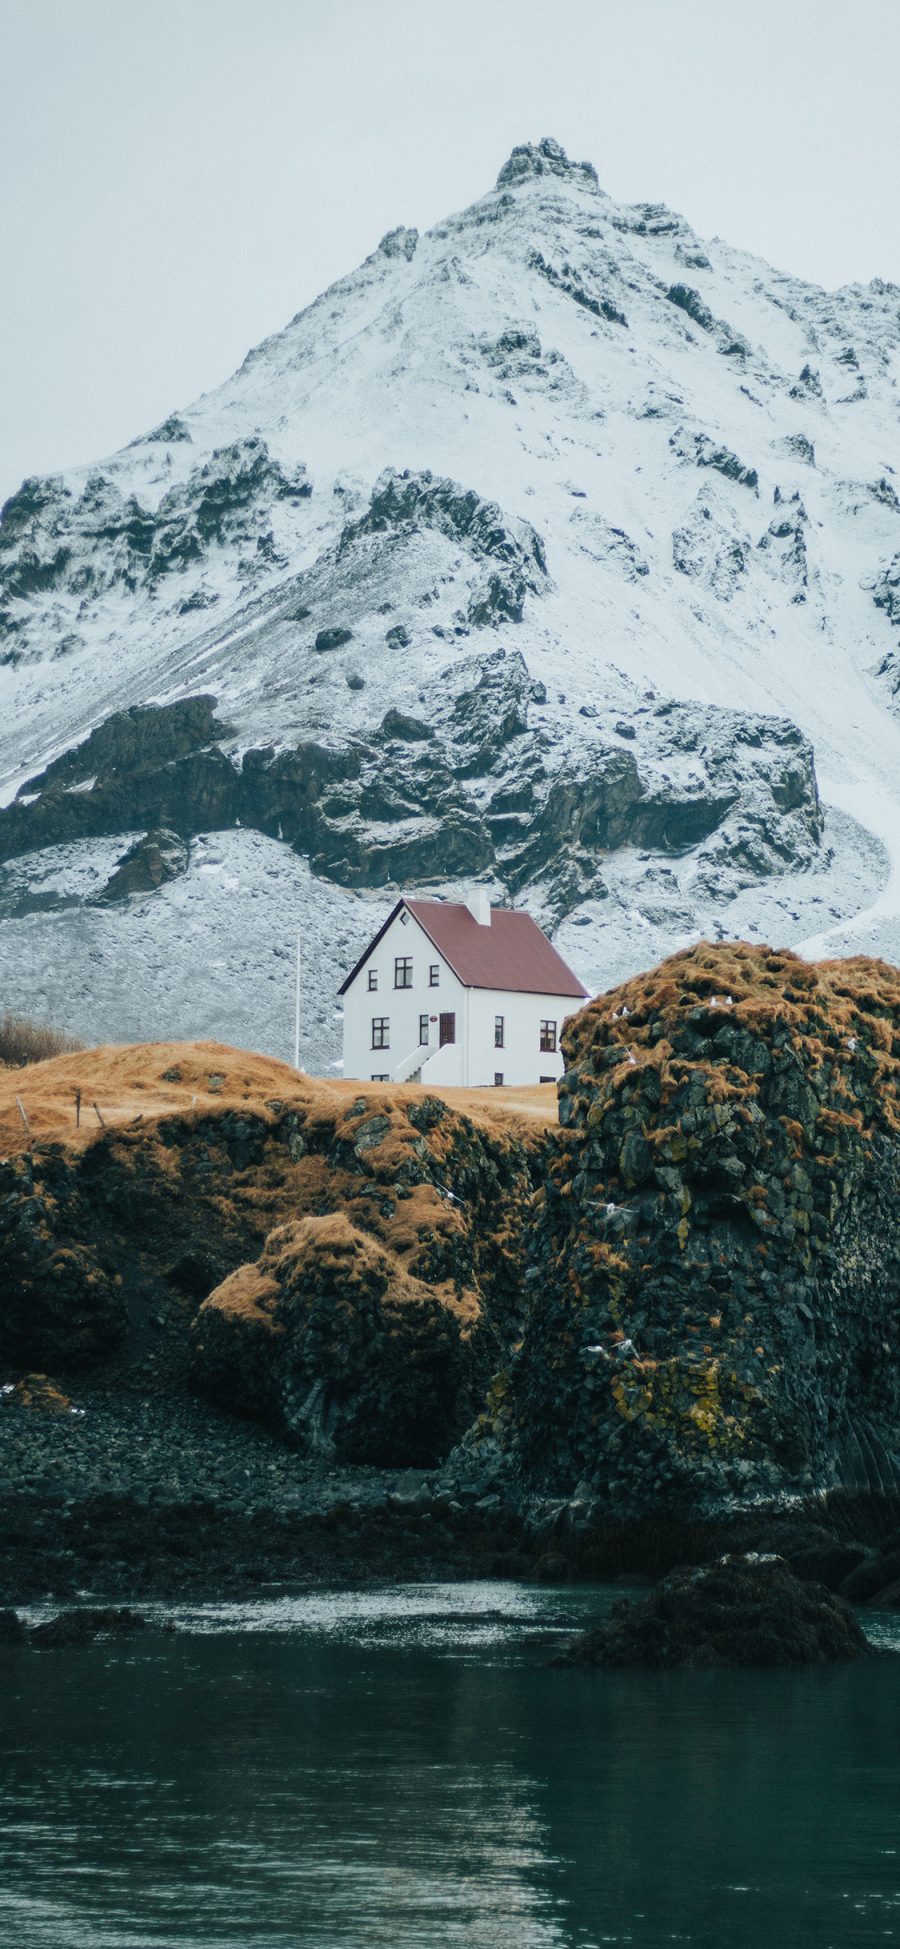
x: 24, y: 1116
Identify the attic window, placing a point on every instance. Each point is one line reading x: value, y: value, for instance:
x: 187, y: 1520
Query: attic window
x: 373, y: 984
x: 403, y: 971
x: 434, y: 974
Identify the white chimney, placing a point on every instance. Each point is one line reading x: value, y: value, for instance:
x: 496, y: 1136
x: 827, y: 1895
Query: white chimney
x: 478, y: 901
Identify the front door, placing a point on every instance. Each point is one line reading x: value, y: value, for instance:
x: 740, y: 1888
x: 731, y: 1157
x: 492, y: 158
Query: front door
x: 447, y: 1027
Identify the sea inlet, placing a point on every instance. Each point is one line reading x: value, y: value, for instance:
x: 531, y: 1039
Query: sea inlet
x: 405, y: 1766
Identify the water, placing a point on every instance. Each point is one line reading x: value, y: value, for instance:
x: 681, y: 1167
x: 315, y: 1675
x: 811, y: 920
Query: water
x: 402, y: 1768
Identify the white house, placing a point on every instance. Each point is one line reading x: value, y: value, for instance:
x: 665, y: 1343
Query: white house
x: 464, y: 994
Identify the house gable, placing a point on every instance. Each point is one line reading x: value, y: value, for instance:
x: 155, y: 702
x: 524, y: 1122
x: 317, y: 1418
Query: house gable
x: 377, y: 939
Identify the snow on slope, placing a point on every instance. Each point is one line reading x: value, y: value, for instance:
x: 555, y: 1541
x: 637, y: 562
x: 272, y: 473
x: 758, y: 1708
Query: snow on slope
x: 705, y: 447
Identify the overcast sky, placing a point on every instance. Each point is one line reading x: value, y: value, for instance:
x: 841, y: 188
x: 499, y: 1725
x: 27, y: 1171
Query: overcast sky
x: 178, y: 178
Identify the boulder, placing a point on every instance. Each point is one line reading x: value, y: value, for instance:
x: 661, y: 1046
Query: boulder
x: 82, y: 1626
x: 160, y: 856
x: 332, y: 638
x: 368, y: 1328
x: 742, y: 1611
x: 716, y: 1263
x: 360, y: 1361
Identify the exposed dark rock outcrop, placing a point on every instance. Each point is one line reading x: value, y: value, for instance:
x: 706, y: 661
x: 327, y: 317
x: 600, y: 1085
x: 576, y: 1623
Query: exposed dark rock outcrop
x: 141, y: 738
x: 386, y: 1294
x: 333, y: 638
x: 368, y: 1331
x: 50, y: 541
x: 731, y: 343
x: 352, y: 1357
x: 84, y: 1626
x: 784, y: 544
x: 886, y: 592
x: 59, y: 1299
x: 512, y: 552
x: 743, y: 1611
x: 710, y: 550
x: 583, y: 286
x: 474, y: 783
x: 705, y: 452
x: 544, y: 158
x: 152, y: 861
x: 716, y: 1270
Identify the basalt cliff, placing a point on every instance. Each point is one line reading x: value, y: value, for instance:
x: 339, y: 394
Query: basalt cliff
x: 671, y: 1314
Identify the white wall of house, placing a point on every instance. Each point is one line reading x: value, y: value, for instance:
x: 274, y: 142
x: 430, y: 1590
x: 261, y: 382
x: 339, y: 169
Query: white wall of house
x: 403, y: 1008
x: 473, y: 1058
x: 526, y: 1021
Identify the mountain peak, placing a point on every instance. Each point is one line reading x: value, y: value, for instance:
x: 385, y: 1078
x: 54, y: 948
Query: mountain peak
x: 544, y: 158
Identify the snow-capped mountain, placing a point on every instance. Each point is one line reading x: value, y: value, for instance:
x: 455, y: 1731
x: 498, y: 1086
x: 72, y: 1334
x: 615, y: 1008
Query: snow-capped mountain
x: 554, y: 547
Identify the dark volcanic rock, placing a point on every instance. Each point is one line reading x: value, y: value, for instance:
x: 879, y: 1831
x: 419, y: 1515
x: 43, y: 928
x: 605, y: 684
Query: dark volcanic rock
x: 743, y: 1611
x: 79, y: 1627
x: 886, y: 592
x: 410, y: 802
x: 367, y: 1364
x: 369, y: 1329
x: 59, y: 1301
x: 141, y: 738
x: 512, y: 553
x: 158, y: 857
x: 112, y: 540
x: 716, y: 1268
x: 409, y: 730
x: 544, y: 158
x: 373, y: 1291
x: 581, y: 285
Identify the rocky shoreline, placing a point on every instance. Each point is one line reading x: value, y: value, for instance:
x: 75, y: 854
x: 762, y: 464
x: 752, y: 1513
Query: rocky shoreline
x: 278, y: 1332
x: 141, y: 1496
x: 125, y: 1497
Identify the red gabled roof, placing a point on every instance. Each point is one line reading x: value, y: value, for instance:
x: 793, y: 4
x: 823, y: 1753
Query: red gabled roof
x: 512, y: 953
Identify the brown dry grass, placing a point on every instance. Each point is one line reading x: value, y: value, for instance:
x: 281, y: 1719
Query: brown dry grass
x: 23, y: 1041
x: 841, y: 1017
x: 313, y: 1251
x: 134, y: 1083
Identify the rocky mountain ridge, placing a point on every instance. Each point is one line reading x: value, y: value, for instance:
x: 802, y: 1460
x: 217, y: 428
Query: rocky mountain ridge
x: 554, y: 547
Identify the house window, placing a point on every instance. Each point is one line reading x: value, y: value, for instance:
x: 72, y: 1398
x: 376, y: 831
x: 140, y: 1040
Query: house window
x: 373, y: 981
x: 498, y: 1079
x: 381, y: 1031
x: 423, y: 1030
x: 434, y: 974
x: 379, y: 1079
x: 403, y: 971
x: 548, y: 1038
x: 498, y: 1031
x: 447, y: 1025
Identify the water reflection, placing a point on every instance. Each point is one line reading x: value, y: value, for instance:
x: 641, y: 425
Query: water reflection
x: 404, y: 1769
